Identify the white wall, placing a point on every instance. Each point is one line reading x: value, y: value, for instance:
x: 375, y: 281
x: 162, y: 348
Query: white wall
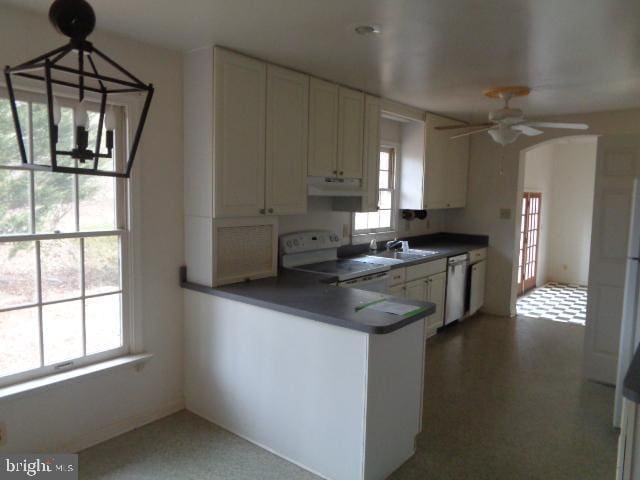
x: 89, y: 410
x: 574, y: 171
x: 564, y: 172
x: 489, y: 191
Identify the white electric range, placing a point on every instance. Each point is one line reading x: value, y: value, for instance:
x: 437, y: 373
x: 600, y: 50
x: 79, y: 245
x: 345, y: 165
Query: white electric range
x: 316, y: 251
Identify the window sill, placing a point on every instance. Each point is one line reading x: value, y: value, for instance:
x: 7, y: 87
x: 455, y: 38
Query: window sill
x: 39, y: 384
x: 360, y: 238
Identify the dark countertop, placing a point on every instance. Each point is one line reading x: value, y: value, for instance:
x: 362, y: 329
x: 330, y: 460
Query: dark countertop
x: 310, y: 296
x: 631, y: 390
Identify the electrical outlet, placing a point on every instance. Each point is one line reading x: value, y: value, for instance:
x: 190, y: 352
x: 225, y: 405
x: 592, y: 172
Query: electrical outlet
x: 3, y: 434
x: 505, y: 213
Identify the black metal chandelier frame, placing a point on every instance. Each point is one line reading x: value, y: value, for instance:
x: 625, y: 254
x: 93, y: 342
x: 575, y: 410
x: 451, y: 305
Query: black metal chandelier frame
x: 42, y: 68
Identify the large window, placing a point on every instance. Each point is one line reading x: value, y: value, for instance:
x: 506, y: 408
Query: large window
x: 62, y: 251
x: 384, y: 219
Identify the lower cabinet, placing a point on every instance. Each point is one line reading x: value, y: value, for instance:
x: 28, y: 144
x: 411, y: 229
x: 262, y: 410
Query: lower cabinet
x: 429, y: 288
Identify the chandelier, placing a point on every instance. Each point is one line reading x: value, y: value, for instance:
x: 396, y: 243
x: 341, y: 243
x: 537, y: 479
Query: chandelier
x: 72, y: 72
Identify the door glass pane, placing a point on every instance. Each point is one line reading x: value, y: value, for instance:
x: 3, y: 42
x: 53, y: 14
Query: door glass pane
x: 103, y: 323
x: 384, y: 179
x: 54, y: 202
x: 17, y: 274
x: 62, y: 331
x: 60, y: 267
x: 20, y: 340
x: 15, y: 213
x: 102, y: 264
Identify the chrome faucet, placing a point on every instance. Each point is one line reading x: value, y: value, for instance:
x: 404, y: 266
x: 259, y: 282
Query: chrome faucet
x: 393, y: 244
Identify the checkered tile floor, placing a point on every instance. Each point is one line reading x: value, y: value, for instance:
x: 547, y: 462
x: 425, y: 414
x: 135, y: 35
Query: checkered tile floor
x: 555, y: 301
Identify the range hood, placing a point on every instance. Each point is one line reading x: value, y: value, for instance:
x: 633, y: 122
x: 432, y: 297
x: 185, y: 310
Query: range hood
x: 335, y: 187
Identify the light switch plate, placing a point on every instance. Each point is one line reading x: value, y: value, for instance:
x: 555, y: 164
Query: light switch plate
x: 505, y: 213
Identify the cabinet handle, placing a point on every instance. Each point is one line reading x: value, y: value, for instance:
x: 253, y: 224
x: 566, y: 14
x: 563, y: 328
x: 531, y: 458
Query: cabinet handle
x: 335, y: 172
x: 341, y: 173
x: 262, y: 211
x: 271, y: 210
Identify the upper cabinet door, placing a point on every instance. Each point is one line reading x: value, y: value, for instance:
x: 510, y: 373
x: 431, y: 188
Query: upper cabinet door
x: 446, y: 166
x: 287, y: 125
x: 239, y: 88
x: 371, y: 164
x: 350, y: 133
x: 323, y: 128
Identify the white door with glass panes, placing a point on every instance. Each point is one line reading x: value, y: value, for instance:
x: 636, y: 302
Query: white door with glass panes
x: 382, y: 220
x: 63, y: 250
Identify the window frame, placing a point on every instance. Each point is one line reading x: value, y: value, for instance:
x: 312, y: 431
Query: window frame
x: 386, y: 233
x: 127, y: 199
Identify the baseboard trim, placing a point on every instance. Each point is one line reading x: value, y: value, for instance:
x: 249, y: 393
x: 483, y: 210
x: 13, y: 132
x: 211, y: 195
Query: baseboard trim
x: 258, y: 444
x: 125, y: 425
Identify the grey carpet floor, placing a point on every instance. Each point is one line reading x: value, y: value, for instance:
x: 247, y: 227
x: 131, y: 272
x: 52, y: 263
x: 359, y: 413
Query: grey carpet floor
x: 504, y: 400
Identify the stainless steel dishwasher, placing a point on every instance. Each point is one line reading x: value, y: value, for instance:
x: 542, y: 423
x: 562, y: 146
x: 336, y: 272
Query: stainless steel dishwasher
x: 456, y: 287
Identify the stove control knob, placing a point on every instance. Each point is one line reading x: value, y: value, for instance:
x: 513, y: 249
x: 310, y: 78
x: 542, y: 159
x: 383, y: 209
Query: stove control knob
x: 295, y: 242
x: 288, y: 243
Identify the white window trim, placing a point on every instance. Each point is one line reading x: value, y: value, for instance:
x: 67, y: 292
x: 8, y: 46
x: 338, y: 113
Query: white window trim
x: 132, y: 350
x: 366, y: 237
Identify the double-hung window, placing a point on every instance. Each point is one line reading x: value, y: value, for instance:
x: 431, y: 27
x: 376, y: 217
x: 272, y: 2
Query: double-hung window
x: 63, y: 239
x: 383, y: 220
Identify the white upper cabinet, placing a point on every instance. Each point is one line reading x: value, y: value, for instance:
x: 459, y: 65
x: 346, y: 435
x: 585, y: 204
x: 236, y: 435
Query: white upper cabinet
x: 336, y: 130
x: 446, y: 166
x: 323, y: 128
x: 371, y: 153
x: 286, y: 154
x: 246, y: 127
x: 350, y: 133
x: 239, y: 102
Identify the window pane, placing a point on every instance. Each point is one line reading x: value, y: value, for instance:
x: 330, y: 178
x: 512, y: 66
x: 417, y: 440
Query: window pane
x: 385, y: 218
x: 20, y: 340
x: 361, y: 221
x: 384, y: 160
x: 40, y: 122
x: 384, y: 179
x: 97, y: 203
x: 374, y: 220
x: 17, y: 274
x: 102, y: 264
x: 103, y: 323
x: 60, y: 266
x: 15, y: 214
x: 9, y: 153
x: 385, y: 199
x: 62, y: 331
x: 54, y: 202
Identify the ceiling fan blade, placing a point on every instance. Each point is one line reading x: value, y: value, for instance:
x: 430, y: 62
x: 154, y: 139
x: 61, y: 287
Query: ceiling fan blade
x: 568, y: 126
x: 451, y: 127
x: 464, y: 134
x: 527, y: 130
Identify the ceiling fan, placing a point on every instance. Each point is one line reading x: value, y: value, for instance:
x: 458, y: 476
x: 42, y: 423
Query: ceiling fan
x: 507, y: 124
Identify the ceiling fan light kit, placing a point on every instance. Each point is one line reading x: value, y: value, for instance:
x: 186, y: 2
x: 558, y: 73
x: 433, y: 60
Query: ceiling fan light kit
x: 507, y: 123
x: 78, y: 79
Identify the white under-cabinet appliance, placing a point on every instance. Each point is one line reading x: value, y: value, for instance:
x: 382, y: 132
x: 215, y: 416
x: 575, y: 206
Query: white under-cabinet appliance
x: 456, y: 288
x: 476, y: 280
x: 317, y: 252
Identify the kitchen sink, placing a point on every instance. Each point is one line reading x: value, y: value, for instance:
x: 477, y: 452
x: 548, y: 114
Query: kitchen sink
x: 424, y: 253
x: 401, y: 256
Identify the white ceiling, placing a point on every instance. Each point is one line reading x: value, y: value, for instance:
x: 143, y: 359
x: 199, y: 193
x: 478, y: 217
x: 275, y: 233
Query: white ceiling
x: 577, y: 55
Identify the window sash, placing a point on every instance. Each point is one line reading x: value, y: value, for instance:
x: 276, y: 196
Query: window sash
x: 120, y: 230
x: 391, y: 188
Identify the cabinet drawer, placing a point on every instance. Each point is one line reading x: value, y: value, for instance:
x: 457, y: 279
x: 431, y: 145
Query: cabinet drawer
x: 477, y: 255
x: 397, y: 277
x: 425, y: 269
